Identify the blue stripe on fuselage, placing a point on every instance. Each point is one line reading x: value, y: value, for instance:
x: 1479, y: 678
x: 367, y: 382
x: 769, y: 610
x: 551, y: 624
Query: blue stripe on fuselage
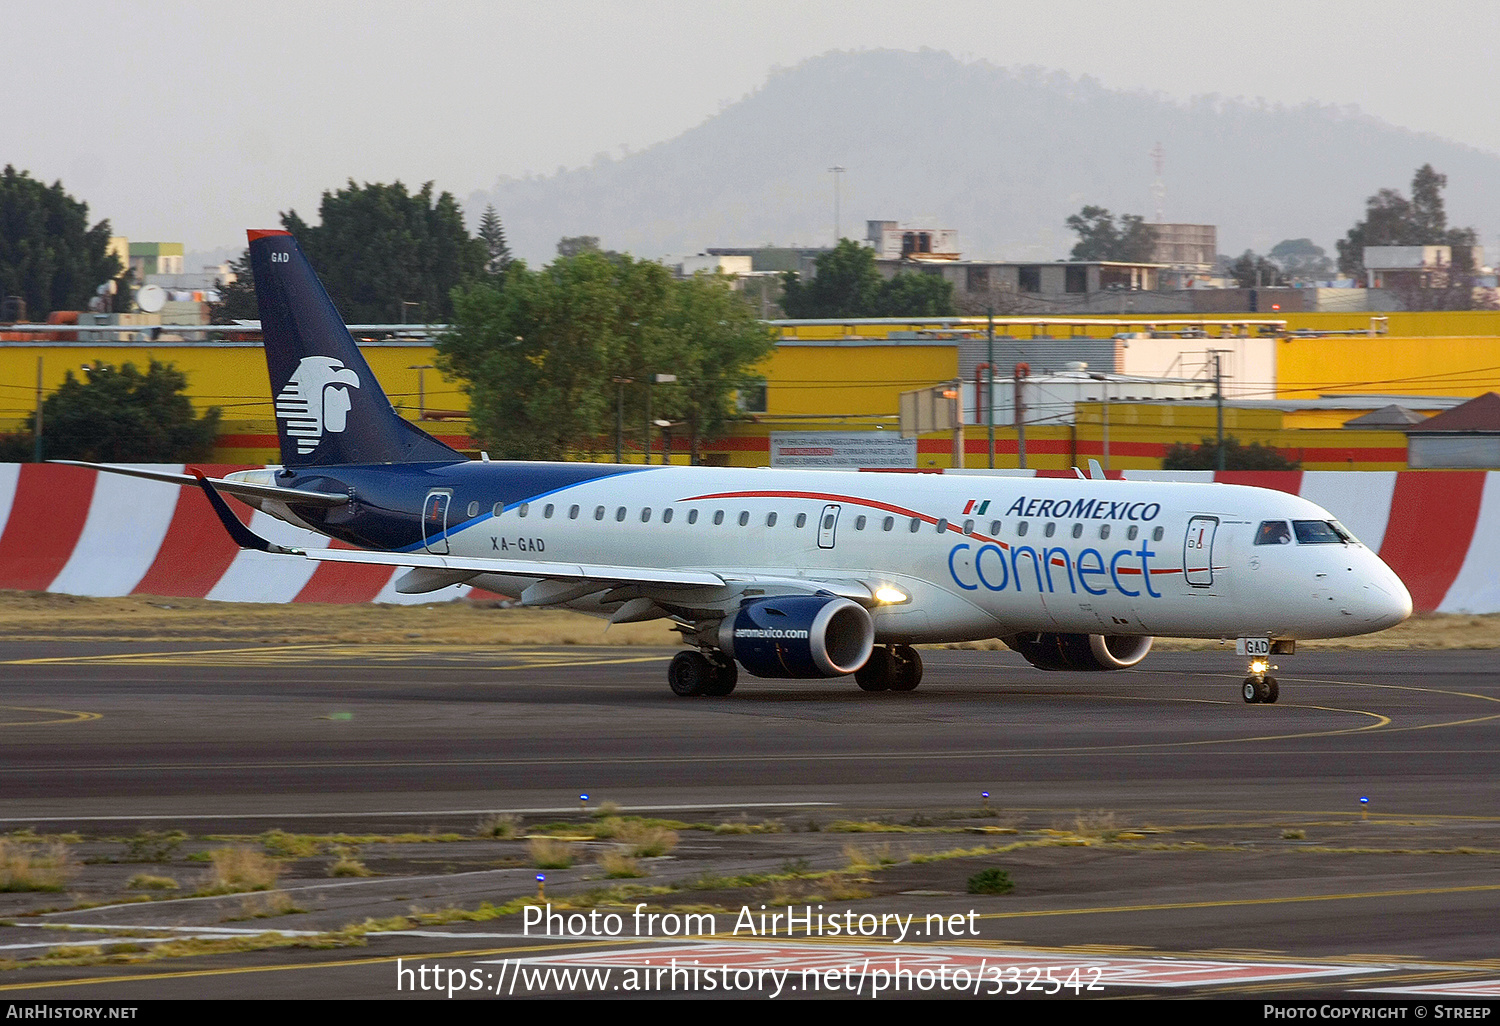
x: 387, y: 512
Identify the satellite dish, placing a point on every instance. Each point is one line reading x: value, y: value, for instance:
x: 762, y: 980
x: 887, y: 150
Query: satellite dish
x: 150, y: 298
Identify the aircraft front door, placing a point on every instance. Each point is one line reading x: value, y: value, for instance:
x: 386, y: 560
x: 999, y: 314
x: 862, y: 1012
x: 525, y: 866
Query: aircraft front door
x: 435, y: 522
x: 1198, y: 552
x: 828, y: 525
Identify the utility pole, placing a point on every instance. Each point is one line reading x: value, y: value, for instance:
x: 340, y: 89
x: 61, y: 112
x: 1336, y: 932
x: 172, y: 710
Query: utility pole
x: 989, y: 392
x: 1219, y: 404
x: 37, y: 445
x: 1019, y: 406
x: 836, y: 171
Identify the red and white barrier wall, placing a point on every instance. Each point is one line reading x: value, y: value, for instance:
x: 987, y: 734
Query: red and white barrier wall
x: 82, y: 532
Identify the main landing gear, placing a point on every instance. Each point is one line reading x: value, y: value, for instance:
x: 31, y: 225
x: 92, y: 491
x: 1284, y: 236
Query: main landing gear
x: 697, y: 673
x: 893, y: 668
x: 1259, y: 686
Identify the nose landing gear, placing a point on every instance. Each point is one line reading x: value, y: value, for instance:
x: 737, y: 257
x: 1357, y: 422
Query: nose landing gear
x: 1260, y: 687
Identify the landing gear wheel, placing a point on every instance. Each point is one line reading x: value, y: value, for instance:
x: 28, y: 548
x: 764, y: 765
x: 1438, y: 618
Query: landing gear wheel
x: 1251, y: 690
x: 725, y: 675
x: 1273, y: 691
x: 690, y: 674
x: 878, y: 673
x: 908, y: 668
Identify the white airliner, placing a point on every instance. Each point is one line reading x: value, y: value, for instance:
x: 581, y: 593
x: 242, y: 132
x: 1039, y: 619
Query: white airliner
x: 792, y: 573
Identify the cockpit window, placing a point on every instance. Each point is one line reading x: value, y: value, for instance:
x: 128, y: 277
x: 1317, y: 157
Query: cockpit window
x: 1273, y: 532
x: 1317, y: 532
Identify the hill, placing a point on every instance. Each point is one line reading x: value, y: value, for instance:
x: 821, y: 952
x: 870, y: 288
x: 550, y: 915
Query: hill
x: 1004, y: 156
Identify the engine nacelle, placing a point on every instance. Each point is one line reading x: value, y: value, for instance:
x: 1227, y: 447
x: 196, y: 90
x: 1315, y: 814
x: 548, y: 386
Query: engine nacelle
x: 1048, y: 651
x: 799, y: 636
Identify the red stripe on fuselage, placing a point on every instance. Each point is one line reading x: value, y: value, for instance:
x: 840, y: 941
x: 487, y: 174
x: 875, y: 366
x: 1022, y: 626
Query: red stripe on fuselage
x: 46, y: 521
x: 1433, y: 516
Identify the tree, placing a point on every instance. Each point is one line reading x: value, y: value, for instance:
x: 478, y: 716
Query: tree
x: 848, y: 284
x: 1236, y: 456
x: 1251, y: 271
x: 1100, y: 238
x: 492, y: 234
x: 1301, y: 260
x: 121, y: 416
x: 49, y: 256
x: 237, y: 298
x: 1393, y: 220
x: 386, y: 255
x: 540, y: 352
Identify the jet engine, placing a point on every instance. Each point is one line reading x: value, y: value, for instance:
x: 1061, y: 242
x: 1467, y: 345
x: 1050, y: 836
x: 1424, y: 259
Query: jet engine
x: 799, y: 636
x: 1049, y: 651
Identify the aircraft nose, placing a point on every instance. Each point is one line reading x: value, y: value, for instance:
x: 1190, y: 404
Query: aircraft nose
x: 1387, y: 601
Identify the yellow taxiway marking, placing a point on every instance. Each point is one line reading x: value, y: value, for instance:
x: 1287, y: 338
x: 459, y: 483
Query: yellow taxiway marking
x: 66, y: 716
x: 231, y: 971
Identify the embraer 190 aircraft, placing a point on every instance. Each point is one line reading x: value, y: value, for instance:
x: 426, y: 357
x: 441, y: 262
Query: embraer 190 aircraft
x: 791, y: 573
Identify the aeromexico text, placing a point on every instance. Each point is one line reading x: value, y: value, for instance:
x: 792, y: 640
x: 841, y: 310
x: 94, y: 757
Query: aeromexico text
x: 1083, y: 509
x: 1090, y: 567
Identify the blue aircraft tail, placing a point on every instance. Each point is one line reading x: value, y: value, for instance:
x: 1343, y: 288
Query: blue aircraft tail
x: 330, y: 410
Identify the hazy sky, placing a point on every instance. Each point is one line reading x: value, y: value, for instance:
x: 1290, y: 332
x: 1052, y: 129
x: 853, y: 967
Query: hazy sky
x: 191, y: 121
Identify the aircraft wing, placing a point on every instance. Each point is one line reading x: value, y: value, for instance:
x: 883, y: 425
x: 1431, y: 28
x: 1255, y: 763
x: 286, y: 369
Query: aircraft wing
x: 605, y: 575
x: 239, y: 489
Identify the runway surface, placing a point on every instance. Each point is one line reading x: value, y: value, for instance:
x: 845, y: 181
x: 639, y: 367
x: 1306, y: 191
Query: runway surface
x: 1385, y: 762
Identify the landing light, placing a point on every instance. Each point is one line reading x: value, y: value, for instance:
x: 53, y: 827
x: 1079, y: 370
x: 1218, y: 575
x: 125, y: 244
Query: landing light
x: 891, y: 596
x: 1259, y: 666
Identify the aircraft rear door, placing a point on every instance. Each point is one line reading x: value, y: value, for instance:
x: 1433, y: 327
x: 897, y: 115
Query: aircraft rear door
x: 435, y: 521
x: 1198, y: 551
x: 828, y: 525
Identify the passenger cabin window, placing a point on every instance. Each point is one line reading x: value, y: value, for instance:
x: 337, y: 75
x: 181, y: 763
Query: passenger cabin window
x: 942, y: 525
x: 770, y: 519
x: 718, y: 516
x: 916, y: 524
x: 1021, y: 528
x: 599, y: 513
x: 744, y: 517
x: 1050, y: 529
x: 522, y: 509
x: 548, y: 510
x: 890, y: 523
x: 968, y: 527
x: 994, y: 528
x: 1103, y: 531
x: 646, y: 515
x: 1273, y: 532
x: 666, y: 515
x: 1077, y: 530
x: 1132, y: 532
x: 692, y: 516
x: 801, y: 519
x: 859, y: 523
x: 473, y: 509
x: 499, y: 508
x: 1157, y: 534
x: 572, y: 512
x: 620, y: 515
x: 1316, y: 532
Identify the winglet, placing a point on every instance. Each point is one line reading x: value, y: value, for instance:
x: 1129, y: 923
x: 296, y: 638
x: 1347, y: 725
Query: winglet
x: 243, y: 536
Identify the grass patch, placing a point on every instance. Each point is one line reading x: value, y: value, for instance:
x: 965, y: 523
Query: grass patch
x: 993, y: 880
x: 348, y: 865
x: 153, y: 846
x: 265, y: 906
x: 547, y: 853
x: 27, y: 868
x: 862, y: 859
x: 620, y: 866
x: 1294, y: 835
x: 643, y: 840
x: 240, y: 869
x: 504, y: 826
x: 146, y: 882
x: 283, y: 845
